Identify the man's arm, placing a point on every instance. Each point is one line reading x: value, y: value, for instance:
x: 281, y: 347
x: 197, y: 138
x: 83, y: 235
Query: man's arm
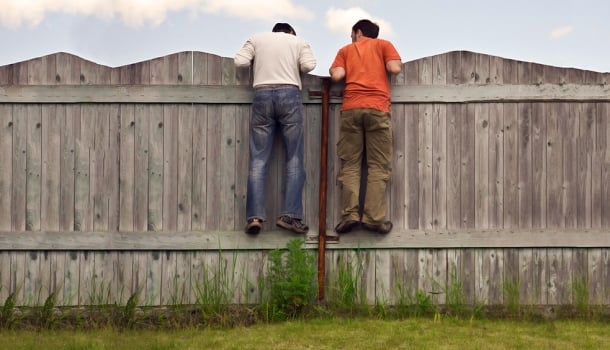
x: 337, y: 73
x: 393, y: 66
x: 244, y: 57
x: 307, y: 61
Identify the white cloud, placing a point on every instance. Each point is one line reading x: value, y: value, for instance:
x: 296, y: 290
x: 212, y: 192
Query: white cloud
x: 341, y: 21
x: 561, y: 32
x: 17, y: 13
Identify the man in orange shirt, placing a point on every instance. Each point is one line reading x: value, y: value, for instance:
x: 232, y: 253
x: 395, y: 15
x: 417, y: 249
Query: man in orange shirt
x: 366, y: 125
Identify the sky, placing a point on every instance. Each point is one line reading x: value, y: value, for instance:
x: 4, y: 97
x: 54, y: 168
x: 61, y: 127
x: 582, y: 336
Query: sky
x: 563, y: 33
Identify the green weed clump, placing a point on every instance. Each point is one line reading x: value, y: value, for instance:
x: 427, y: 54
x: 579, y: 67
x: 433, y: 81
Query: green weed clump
x: 290, y: 285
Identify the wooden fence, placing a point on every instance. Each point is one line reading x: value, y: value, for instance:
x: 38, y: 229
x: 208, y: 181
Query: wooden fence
x: 115, y: 181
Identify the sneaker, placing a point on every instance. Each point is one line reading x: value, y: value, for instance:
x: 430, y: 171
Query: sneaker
x: 254, y: 226
x: 291, y: 224
x: 346, y: 226
x: 383, y: 228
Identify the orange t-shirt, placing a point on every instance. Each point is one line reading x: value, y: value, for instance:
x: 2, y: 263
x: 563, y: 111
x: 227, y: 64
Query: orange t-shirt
x: 366, y: 78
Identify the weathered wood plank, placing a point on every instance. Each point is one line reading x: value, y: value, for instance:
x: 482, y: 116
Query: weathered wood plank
x: 603, y: 136
x: 242, y: 94
x: 6, y: 166
x: 453, y: 167
x: 554, y: 156
x: 141, y: 171
x: 112, y: 168
x: 183, y: 278
x: 397, y: 185
x: 33, y: 166
x: 200, y: 161
x: 86, y: 275
x: 511, y: 166
x: 127, y: 168
x: 227, y: 169
x: 213, y: 170
x: 425, y: 160
x: 5, y: 275
x: 51, y: 172
x: 496, y: 166
x: 481, y: 162
x: 124, y: 276
x: 170, y: 166
x: 67, y: 167
x: 71, y: 279
x: 525, y: 185
x: 99, y: 189
x: 539, y: 171
x: 439, y: 167
x: 467, y: 163
x: 83, y: 159
x: 155, y: 168
x: 412, y: 180
x: 312, y: 121
x: 570, y: 127
x: 185, y: 167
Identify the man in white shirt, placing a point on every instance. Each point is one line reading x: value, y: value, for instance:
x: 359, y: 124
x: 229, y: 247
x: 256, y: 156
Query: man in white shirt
x: 278, y: 58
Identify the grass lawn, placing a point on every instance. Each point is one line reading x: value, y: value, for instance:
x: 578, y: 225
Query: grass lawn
x: 349, y: 334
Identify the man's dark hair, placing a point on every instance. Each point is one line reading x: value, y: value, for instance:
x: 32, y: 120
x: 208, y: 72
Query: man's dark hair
x: 283, y: 27
x: 368, y: 28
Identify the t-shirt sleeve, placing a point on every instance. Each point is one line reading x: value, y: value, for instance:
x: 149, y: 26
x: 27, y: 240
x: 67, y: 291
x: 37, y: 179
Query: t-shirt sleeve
x: 389, y: 52
x: 339, y: 59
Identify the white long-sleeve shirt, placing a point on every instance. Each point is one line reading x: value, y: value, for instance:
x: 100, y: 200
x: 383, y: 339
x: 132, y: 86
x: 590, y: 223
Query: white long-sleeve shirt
x: 278, y: 58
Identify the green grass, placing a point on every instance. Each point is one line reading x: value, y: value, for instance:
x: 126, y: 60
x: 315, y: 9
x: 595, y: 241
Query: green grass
x: 421, y: 333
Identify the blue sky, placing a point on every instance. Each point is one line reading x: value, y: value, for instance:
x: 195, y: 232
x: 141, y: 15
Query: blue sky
x: 564, y: 33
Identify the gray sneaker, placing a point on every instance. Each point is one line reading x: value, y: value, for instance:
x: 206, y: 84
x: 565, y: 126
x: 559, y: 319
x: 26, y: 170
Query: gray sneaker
x: 291, y: 224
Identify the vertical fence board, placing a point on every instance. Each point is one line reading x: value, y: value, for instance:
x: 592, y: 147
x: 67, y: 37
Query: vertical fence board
x: 554, y: 158
x: 155, y: 168
x: 127, y: 168
x: 57, y: 271
x: 213, y: 169
x: 383, y: 293
x: 524, y: 148
x: 227, y: 168
x: 86, y: 271
x: 6, y: 167
x: 453, y: 167
x: 604, y: 143
x: 83, y: 126
x: 569, y: 133
x: 33, y: 166
x: 98, y: 188
x: 481, y: 175
x: 311, y: 193
x: 5, y: 275
x: 170, y: 280
x: 425, y: 161
x: 183, y: 278
x: 538, y: 163
x: 412, y: 181
x: 67, y: 167
x: 439, y: 167
x: 425, y: 268
x: 496, y: 166
x: 51, y: 172
x: 71, y: 278
x: 200, y: 161
x: 141, y: 172
x: 125, y: 276
x: 170, y: 166
x: 185, y: 167
x: 112, y: 168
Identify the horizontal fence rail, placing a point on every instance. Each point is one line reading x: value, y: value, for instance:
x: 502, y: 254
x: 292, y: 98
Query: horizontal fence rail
x: 462, y: 93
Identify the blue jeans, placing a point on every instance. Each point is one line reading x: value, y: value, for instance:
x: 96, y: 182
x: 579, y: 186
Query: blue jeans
x: 276, y: 108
